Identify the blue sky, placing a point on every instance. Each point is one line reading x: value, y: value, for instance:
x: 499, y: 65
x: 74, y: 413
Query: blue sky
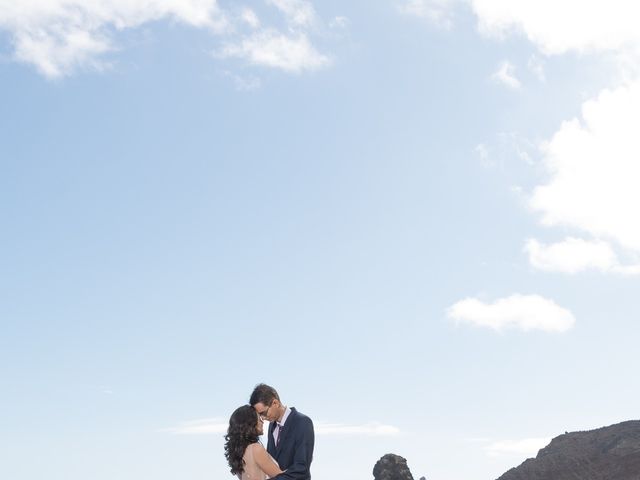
x: 415, y: 218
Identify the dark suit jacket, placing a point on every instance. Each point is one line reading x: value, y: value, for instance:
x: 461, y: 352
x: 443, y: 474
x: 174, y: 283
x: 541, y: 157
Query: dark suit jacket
x: 295, y: 446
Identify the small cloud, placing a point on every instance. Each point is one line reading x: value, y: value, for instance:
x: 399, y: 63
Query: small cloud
x: 62, y: 36
x: 207, y: 426
x: 66, y: 36
x: 477, y: 439
x: 505, y: 148
x: 244, y: 84
x: 372, y: 429
x: 521, y: 312
x: 249, y: 17
x: 299, y: 13
x: 58, y: 54
x: 271, y: 48
x: 483, y: 154
x: 527, y: 447
x: 203, y: 426
x: 627, y: 269
x: 505, y: 75
x: 574, y: 255
x: 437, y: 12
x: 536, y: 66
x: 339, y: 23
x: 512, y: 143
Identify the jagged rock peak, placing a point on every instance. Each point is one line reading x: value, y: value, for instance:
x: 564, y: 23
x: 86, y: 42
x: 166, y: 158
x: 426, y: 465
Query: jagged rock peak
x: 607, y: 453
x: 392, y: 467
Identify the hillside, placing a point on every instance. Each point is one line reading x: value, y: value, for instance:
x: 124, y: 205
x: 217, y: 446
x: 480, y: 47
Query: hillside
x: 608, y: 453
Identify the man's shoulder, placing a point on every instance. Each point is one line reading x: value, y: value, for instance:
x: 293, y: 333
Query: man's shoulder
x: 298, y: 413
x: 300, y: 417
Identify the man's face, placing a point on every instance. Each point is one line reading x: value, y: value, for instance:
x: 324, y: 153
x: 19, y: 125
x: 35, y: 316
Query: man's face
x: 268, y: 412
x: 259, y: 425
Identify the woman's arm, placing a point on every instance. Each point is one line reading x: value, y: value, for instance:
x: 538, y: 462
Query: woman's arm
x: 264, y: 461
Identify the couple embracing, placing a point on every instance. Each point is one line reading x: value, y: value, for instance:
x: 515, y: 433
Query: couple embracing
x: 289, y: 441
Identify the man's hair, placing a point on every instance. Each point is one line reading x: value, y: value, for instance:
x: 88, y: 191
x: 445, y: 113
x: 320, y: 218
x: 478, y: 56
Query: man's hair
x: 263, y: 394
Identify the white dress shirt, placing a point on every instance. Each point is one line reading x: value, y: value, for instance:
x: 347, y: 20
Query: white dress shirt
x: 280, y: 424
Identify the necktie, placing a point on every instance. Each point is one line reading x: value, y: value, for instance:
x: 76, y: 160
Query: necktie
x: 279, y: 434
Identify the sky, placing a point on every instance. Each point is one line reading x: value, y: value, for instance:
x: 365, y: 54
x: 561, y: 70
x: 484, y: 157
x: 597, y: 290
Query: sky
x: 416, y: 219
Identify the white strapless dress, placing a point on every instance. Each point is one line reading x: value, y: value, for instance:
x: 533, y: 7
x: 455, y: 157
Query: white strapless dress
x: 251, y: 469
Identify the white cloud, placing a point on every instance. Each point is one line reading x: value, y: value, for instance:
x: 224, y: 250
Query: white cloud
x: 202, y: 426
x: 250, y: 17
x: 574, y: 255
x: 339, y: 22
x: 554, y: 27
x: 271, y: 48
x: 507, y: 147
x: 292, y: 52
x: 570, y: 25
x: 536, y: 66
x: 527, y: 447
x: 506, y: 76
x: 512, y: 143
x: 438, y: 12
x: 53, y: 54
x: 571, y: 255
x: 299, y: 13
x: 58, y: 36
x: 594, y: 165
x: 483, y: 154
x: 368, y: 429
x: 244, y: 83
x: 522, y: 312
x: 627, y: 269
x: 593, y: 161
x: 218, y: 425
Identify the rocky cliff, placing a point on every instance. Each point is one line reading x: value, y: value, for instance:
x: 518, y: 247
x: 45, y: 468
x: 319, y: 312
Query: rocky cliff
x: 608, y: 453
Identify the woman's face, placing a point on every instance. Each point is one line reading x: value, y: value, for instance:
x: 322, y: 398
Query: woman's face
x: 259, y: 425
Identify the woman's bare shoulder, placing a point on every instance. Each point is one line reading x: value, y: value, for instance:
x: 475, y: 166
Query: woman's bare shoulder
x: 256, y: 447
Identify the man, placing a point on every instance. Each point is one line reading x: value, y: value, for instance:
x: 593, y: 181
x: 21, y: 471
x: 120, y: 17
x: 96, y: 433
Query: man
x: 290, y: 438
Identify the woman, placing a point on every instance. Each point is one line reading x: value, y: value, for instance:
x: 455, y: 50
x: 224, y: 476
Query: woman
x: 246, y: 456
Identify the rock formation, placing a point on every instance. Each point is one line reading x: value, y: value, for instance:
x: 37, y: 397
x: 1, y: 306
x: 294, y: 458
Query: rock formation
x: 608, y: 453
x: 392, y: 467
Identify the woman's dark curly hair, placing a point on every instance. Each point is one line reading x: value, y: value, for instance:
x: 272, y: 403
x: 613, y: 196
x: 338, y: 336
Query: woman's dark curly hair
x: 241, y: 433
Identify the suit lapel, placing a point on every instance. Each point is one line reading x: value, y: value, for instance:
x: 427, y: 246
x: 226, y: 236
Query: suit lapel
x: 284, y: 433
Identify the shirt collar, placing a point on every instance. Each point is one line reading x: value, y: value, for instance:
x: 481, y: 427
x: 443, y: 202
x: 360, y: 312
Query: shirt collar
x: 287, y: 411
